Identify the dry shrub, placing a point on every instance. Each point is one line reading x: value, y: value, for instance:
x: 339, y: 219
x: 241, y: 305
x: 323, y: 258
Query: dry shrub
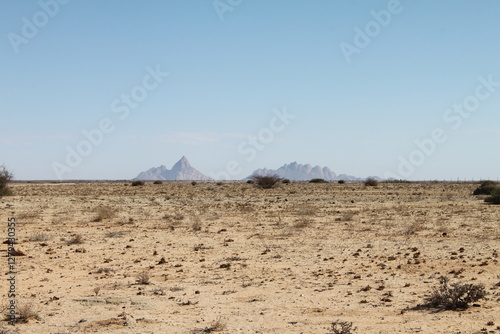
x: 342, y: 327
x: 414, y: 227
x: 27, y: 312
x: 143, y: 278
x: 8, y: 331
x: 196, y: 225
x: 5, y: 178
x: 455, y: 296
x: 115, y: 234
x: 76, y: 240
x: 137, y: 183
x: 371, y: 182
x: 28, y: 215
x: 40, y: 237
x: 347, y: 217
x: 306, y: 210
x: 217, y: 326
x: 104, y: 212
x: 266, y: 181
x: 303, y: 222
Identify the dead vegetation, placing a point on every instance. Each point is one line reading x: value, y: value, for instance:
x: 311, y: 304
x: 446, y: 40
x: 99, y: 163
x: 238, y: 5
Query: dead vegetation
x: 342, y: 327
x: 301, y: 251
x: 104, y: 213
x: 76, y: 240
x: 216, y: 326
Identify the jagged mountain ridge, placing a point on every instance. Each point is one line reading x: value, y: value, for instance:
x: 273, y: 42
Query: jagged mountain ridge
x: 181, y: 171
x: 299, y: 172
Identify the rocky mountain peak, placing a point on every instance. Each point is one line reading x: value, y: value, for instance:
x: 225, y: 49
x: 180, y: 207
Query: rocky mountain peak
x: 181, y: 171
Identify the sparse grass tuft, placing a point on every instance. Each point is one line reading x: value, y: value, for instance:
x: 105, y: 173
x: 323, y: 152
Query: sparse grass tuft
x: 266, y: 181
x: 8, y: 331
x: 104, y: 212
x: 455, y: 296
x: 196, y: 225
x: 116, y: 234
x: 303, y: 222
x: 39, y: 237
x: 76, y: 240
x: 413, y: 227
x: 217, y: 326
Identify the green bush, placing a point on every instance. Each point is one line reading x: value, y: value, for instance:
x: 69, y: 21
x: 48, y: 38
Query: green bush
x: 341, y: 181
x: 250, y: 181
x: 158, y: 182
x: 137, y: 183
x: 5, y: 178
x: 5, y: 192
x: 455, y: 296
x: 286, y: 181
x: 495, y: 197
x: 486, y: 188
x: 317, y: 181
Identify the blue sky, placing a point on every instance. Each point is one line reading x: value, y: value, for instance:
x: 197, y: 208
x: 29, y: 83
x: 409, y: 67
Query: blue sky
x: 233, y: 65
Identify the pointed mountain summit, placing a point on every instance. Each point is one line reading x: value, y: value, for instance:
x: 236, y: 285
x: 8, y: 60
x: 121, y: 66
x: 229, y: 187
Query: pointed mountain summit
x: 182, y: 164
x: 181, y: 171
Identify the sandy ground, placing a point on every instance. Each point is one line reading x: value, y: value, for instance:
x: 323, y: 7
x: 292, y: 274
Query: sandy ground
x: 288, y: 260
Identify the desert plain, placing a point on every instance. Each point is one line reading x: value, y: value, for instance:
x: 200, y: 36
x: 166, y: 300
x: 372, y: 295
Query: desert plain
x: 229, y: 257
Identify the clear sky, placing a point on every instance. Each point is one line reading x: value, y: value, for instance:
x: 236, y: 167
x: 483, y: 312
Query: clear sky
x: 409, y: 89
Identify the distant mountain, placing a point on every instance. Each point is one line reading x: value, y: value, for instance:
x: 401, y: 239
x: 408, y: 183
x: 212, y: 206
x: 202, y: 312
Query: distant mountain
x: 181, y: 171
x: 298, y: 172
